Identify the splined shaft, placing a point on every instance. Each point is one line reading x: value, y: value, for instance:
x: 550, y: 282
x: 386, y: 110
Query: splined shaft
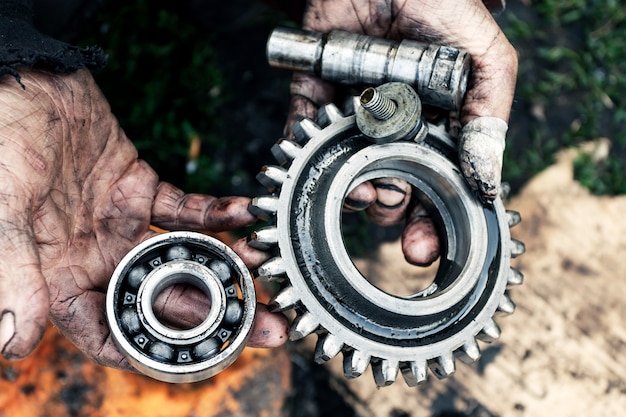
x: 438, y: 73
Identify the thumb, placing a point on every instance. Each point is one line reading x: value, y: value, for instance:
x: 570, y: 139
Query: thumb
x: 487, y: 103
x: 484, y: 116
x: 481, y: 148
x: 24, y: 298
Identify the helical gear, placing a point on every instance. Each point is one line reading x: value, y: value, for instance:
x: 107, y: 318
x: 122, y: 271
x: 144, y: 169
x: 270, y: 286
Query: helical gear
x: 332, y: 299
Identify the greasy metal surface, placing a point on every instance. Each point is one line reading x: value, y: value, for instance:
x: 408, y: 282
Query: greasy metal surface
x: 334, y: 300
x: 392, y: 112
x: 181, y: 355
x: 438, y: 73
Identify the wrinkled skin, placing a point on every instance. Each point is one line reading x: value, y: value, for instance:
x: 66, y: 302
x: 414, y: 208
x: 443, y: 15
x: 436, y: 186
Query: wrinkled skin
x: 465, y: 24
x: 74, y: 200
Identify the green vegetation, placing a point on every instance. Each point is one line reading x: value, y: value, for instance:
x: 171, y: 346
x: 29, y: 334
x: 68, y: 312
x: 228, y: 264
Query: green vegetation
x: 571, y: 86
x: 166, y: 84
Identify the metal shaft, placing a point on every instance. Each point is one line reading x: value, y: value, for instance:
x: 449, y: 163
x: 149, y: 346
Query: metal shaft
x: 438, y: 73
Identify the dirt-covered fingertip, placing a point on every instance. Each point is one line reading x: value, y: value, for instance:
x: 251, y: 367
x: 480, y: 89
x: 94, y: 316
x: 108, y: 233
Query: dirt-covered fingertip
x: 269, y: 330
x: 481, y: 149
x: 420, y: 242
x: 252, y: 257
x: 18, y: 339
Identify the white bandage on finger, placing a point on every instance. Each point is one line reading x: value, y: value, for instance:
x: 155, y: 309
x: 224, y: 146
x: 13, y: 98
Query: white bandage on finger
x: 481, y: 147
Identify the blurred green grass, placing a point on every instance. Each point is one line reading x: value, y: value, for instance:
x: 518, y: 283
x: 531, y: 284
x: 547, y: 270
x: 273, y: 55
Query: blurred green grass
x: 571, y: 88
x: 167, y: 83
x: 163, y: 83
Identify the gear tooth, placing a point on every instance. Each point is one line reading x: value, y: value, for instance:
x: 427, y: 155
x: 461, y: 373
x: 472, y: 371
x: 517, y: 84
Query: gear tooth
x: 513, y: 217
x: 264, y: 239
x: 515, y: 277
x: 414, y: 372
x: 490, y: 332
x: 505, y: 190
x: 355, y: 362
x: 506, y: 305
x: 328, y: 114
x: 278, y: 279
x: 286, y: 299
x: 272, y: 270
x: 385, y: 372
x: 285, y: 151
x: 328, y: 346
x: 272, y: 177
x: 305, y: 129
x: 443, y: 366
x: 469, y: 352
x: 303, y: 326
x: 517, y: 248
x: 263, y: 207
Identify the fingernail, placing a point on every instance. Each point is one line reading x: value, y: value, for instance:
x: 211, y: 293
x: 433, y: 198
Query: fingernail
x: 355, y: 205
x: 7, y: 329
x: 390, y: 195
x: 360, y: 197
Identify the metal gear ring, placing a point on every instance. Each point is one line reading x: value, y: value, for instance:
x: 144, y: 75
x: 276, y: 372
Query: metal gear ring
x: 328, y: 294
x: 181, y: 355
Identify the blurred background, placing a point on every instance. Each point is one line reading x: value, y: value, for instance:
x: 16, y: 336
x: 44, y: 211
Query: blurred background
x: 190, y: 85
x: 189, y: 73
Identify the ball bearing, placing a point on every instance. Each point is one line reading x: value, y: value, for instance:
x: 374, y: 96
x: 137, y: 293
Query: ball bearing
x: 174, y: 354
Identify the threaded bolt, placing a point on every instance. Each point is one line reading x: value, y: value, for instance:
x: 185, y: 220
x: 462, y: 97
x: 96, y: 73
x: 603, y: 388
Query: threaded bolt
x: 381, y: 107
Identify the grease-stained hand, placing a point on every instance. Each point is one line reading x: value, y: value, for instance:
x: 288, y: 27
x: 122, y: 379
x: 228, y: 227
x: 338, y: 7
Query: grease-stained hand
x: 465, y: 24
x: 74, y: 200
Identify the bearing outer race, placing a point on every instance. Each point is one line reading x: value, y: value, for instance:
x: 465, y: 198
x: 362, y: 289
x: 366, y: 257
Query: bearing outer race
x: 186, y: 372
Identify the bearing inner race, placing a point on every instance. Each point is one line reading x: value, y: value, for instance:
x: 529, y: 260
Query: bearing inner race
x: 181, y: 272
x: 446, y: 197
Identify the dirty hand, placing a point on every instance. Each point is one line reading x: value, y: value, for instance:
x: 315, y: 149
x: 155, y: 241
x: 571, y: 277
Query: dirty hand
x: 465, y: 24
x: 74, y: 200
